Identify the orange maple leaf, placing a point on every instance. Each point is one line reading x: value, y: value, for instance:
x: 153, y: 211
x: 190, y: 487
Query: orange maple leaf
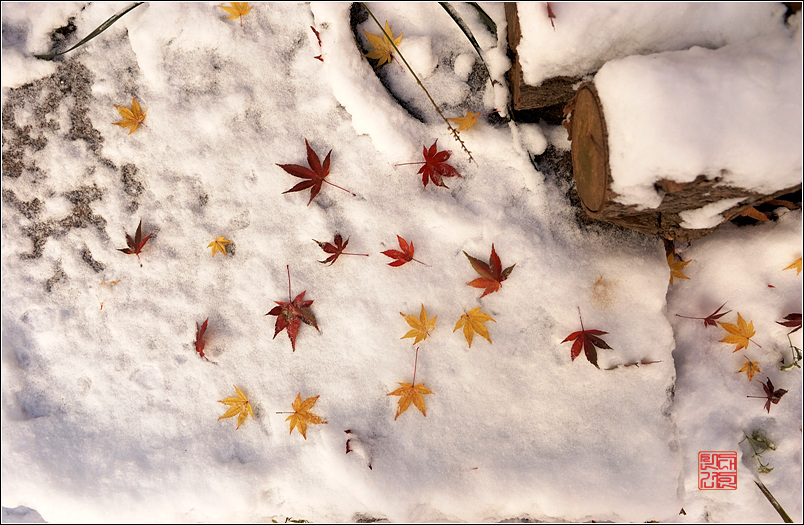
x: 676, y: 267
x: 795, y: 266
x: 739, y: 334
x: 410, y: 393
x: 750, y: 368
x: 302, y: 416
x: 131, y: 117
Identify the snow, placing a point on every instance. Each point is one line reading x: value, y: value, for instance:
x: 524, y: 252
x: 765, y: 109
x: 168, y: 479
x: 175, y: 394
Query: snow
x: 586, y: 35
x: 708, y: 216
x: 681, y: 114
x: 108, y: 413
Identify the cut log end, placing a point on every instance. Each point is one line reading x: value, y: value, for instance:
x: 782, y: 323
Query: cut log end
x: 590, y: 157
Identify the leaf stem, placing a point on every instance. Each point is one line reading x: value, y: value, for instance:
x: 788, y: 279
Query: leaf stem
x: 290, y: 295
x: 347, y: 253
x: 339, y: 187
x: 410, y: 163
x: 418, y: 261
x: 415, y: 363
x: 581, y: 318
x: 687, y: 317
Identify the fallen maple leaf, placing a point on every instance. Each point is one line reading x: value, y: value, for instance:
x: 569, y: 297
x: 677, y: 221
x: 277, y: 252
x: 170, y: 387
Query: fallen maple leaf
x: 131, y: 117
x: 791, y: 321
x: 434, y: 166
x: 316, y: 174
x: 551, y: 15
x: 360, y: 449
x: 750, y: 368
x: 472, y: 322
x: 739, y: 334
x: 795, y: 266
x: 676, y: 267
x: 421, y: 326
x: 335, y: 249
x: 237, y: 10
x: 588, y: 340
x: 773, y: 396
x: 302, y: 416
x: 291, y: 314
x: 491, y: 275
x: 239, y: 406
x: 136, y: 244
x: 411, y: 393
x: 403, y: 256
x: 711, y: 319
x: 467, y: 121
x: 219, y: 245
x: 382, y: 46
x: 408, y: 393
x: 318, y: 37
x: 755, y: 214
x: 199, y: 338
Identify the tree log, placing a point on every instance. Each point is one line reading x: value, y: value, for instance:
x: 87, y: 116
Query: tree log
x: 545, y: 101
x: 592, y: 174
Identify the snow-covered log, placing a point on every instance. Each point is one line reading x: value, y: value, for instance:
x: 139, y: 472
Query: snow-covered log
x: 677, y: 143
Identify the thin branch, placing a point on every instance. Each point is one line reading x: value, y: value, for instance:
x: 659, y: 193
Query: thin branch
x: 452, y: 130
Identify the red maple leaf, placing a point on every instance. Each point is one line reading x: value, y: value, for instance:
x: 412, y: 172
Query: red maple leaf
x: 773, y: 396
x: 711, y: 319
x: 401, y: 257
x: 199, y: 338
x: 551, y: 15
x: 135, y: 245
x: 491, y: 275
x: 791, y: 321
x: 335, y: 249
x: 291, y: 314
x: 315, y: 175
x: 435, y: 166
x: 319, y: 57
x: 588, y: 340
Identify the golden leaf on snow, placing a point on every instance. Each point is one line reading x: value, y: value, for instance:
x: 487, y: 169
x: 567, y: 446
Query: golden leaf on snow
x: 739, y: 334
x: 302, y: 416
x: 131, y: 117
x: 421, y: 326
x: 219, y: 245
x: 676, y: 268
x: 239, y: 406
x: 410, y: 394
x: 467, y: 121
x: 381, y: 45
x: 472, y: 322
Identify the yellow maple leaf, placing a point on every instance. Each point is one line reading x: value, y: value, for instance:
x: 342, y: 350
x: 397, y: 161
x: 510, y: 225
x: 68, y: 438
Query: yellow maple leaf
x: 238, y: 406
x: 467, y: 121
x: 219, y: 245
x: 795, y: 266
x: 409, y: 393
x: 421, y: 326
x: 131, y: 117
x: 676, y: 267
x: 302, y: 416
x: 750, y: 368
x: 237, y: 10
x: 739, y: 334
x: 472, y: 322
x: 382, y: 47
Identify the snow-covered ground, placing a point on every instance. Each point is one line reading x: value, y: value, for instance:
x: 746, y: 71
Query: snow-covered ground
x: 110, y: 414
